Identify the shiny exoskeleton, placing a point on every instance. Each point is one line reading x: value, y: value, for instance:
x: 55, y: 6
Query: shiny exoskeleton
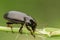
x: 16, y: 17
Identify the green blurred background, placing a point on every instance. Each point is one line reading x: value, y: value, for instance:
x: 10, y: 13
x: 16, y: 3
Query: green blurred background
x: 44, y: 11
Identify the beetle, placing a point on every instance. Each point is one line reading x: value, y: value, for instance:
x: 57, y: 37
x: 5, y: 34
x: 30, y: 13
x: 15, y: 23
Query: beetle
x: 17, y: 17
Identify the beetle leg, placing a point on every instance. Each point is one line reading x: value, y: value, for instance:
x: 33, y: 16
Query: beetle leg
x: 30, y: 31
x: 20, y: 30
x: 9, y: 25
